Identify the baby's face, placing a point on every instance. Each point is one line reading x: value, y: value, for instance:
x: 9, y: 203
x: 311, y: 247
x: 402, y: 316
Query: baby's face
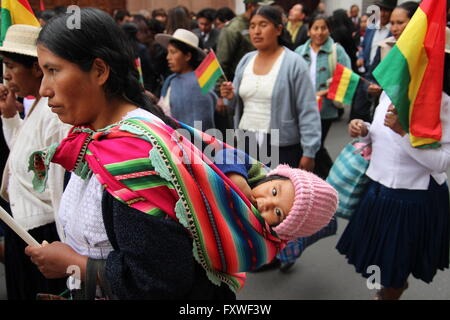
x: 274, y: 200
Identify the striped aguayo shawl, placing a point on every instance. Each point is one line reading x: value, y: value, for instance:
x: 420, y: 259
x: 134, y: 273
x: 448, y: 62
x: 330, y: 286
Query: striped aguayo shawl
x: 152, y: 168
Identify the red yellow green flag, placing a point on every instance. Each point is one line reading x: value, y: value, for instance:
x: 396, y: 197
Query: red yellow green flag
x: 319, y: 100
x: 138, y: 64
x: 412, y: 77
x: 16, y: 12
x: 343, y: 86
x: 209, y: 72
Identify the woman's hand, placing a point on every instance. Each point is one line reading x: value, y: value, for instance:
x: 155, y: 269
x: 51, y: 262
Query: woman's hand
x: 227, y: 90
x: 360, y: 62
x: 307, y: 164
x: 242, y: 184
x: 322, y: 93
x: 53, y: 260
x: 8, y: 102
x: 391, y: 121
x: 374, y: 90
x: 357, y: 128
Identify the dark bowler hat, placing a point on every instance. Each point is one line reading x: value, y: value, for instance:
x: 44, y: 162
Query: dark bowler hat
x: 387, y: 4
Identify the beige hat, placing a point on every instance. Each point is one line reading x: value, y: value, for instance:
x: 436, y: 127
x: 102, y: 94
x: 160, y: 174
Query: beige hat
x: 21, y: 39
x: 447, y: 40
x: 182, y: 35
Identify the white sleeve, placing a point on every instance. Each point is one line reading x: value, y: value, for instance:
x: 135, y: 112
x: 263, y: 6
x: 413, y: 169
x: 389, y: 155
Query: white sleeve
x: 11, y: 127
x: 437, y: 160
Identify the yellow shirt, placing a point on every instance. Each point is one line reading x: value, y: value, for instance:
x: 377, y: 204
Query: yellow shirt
x: 293, y: 30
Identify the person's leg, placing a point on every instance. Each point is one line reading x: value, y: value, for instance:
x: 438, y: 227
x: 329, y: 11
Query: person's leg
x: 323, y: 159
x: 390, y: 293
x: 361, y: 106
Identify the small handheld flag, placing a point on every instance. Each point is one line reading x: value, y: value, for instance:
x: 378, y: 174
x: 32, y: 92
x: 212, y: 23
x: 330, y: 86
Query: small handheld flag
x: 319, y: 100
x: 412, y: 77
x: 138, y: 64
x: 344, y: 84
x: 209, y: 72
x: 16, y: 12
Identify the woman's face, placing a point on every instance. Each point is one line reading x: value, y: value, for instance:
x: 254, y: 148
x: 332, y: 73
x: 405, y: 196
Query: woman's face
x: 23, y: 81
x: 178, y: 61
x: 73, y: 94
x: 319, y: 32
x: 399, y: 21
x: 263, y: 33
x: 274, y: 200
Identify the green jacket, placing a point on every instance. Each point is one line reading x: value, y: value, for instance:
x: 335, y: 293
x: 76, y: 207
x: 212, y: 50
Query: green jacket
x: 323, y: 72
x: 234, y: 42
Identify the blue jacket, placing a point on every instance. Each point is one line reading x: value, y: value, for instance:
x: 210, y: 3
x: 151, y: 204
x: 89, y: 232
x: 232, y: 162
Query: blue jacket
x: 187, y: 102
x: 367, y: 47
x: 294, y: 110
x: 323, y: 72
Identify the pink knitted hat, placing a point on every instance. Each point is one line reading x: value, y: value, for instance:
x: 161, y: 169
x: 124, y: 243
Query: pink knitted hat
x: 314, y: 205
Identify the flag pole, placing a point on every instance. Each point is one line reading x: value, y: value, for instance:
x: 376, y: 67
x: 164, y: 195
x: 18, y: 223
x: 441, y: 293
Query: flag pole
x: 224, y: 75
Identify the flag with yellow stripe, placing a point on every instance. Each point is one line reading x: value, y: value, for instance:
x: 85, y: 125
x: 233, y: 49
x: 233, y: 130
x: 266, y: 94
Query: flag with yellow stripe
x: 209, y: 72
x: 412, y: 77
x: 16, y: 12
x: 343, y: 86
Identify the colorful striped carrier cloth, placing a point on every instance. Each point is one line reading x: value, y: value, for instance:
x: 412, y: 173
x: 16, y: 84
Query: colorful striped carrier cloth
x: 154, y: 169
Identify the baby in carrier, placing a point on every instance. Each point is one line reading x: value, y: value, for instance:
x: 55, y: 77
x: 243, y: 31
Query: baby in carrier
x: 294, y: 202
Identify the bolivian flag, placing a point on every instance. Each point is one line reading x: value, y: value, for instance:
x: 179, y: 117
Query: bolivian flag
x: 16, y: 12
x: 209, y: 72
x: 343, y: 85
x: 412, y: 74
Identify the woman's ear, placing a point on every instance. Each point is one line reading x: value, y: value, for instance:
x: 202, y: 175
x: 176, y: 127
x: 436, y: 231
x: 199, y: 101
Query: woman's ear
x: 36, y: 70
x: 188, y: 57
x: 100, y: 71
x: 280, y: 30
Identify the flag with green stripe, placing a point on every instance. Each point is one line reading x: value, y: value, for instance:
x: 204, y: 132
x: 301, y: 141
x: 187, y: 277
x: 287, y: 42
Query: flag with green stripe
x: 209, y: 72
x: 343, y: 85
x: 16, y: 12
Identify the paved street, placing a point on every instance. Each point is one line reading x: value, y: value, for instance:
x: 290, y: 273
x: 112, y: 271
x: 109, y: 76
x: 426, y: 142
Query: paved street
x: 321, y: 273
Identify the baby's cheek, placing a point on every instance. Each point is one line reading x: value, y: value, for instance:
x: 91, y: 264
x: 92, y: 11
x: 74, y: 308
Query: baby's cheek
x: 270, y: 218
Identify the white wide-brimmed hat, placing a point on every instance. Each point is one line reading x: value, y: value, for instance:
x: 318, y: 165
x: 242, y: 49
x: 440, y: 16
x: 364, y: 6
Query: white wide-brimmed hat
x: 182, y: 35
x: 21, y: 39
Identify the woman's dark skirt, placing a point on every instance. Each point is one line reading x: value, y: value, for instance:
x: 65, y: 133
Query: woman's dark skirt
x: 401, y: 231
x: 23, y: 279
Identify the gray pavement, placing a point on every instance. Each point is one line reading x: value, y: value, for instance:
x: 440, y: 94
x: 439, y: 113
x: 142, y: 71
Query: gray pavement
x: 322, y: 273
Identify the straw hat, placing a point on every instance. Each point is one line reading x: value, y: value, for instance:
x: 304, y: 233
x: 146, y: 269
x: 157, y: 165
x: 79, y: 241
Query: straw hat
x: 182, y: 35
x: 21, y: 39
x: 447, y: 40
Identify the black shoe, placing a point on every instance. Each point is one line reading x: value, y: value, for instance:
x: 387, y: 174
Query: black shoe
x: 285, y: 266
x: 274, y: 264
